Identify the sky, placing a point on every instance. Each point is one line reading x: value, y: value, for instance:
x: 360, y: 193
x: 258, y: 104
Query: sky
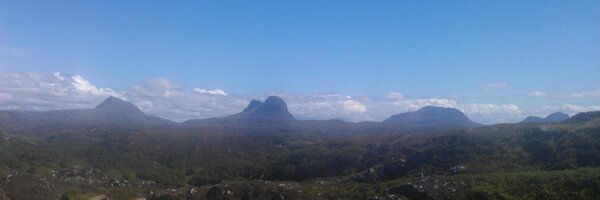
x: 497, y: 61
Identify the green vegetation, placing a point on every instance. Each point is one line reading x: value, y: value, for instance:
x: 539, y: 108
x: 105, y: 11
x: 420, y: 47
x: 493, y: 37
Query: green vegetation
x: 566, y: 184
x: 497, y: 162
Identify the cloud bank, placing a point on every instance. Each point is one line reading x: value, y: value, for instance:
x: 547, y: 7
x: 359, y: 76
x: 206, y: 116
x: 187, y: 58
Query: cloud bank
x: 41, y: 91
x: 161, y: 97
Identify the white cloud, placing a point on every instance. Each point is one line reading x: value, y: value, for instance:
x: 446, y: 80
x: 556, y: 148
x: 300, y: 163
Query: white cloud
x: 419, y: 103
x: 537, y: 94
x: 354, y: 106
x: 215, y: 91
x: 59, y: 76
x: 326, y: 106
x: 585, y: 94
x: 395, y: 96
x: 578, y: 108
x: 402, y: 104
x: 492, y: 113
x: 161, y: 97
x: 333, y: 106
x: 42, y: 91
x: 157, y: 87
x: 495, y: 86
x: 482, y: 113
x: 85, y: 86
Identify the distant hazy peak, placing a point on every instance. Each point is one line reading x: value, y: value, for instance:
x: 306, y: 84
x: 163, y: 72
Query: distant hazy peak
x: 254, y: 104
x: 557, y: 117
x: 273, y: 108
x: 532, y: 119
x: 272, y: 104
x: 432, y: 116
x: 552, y: 118
x: 117, y: 105
x: 584, y: 117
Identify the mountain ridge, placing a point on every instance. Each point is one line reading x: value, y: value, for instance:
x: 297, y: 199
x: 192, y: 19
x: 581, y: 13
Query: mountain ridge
x: 273, y: 113
x: 551, y: 118
x: 584, y: 117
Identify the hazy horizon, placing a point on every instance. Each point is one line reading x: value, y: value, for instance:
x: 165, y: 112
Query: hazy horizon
x: 354, y: 61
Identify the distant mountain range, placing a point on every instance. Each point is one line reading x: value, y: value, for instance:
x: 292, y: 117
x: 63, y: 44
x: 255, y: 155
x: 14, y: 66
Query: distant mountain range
x: 270, y: 114
x: 111, y: 112
x: 552, y: 118
x: 43, y: 155
x: 274, y: 112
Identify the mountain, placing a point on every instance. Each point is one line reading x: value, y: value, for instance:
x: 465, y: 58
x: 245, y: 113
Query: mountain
x: 116, y: 105
x: 584, y: 117
x: 557, y: 117
x: 116, y: 111
x: 112, y: 111
x: 274, y: 108
x: 533, y: 119
x: 432, y: 117
x: 552, y: 118
x: 253, y: 105
x: 272, y: 112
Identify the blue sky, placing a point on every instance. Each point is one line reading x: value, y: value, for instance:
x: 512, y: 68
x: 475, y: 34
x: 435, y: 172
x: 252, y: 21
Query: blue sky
x: 484, y: 52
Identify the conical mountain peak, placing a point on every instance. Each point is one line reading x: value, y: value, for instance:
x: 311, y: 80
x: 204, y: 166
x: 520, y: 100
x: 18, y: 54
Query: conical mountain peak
x: 114, y: 104
x: 117, y: 111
